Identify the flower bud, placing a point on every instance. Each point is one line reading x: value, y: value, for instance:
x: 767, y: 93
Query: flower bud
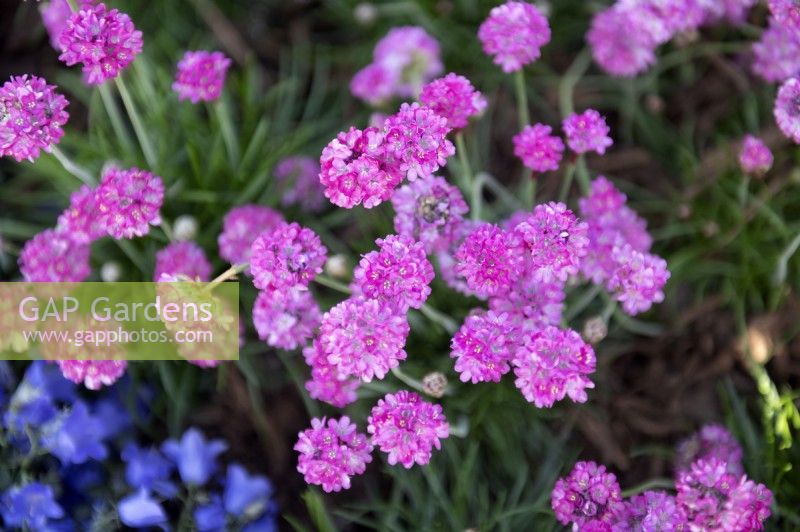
x: 337, y: 266
x: 110, y: 272
x: 595, y: 330
x: 185, y: 228
x: 435, y: 384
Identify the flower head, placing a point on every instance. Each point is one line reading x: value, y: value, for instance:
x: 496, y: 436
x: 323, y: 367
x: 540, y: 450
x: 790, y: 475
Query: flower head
x: 538, y: 149
x: 328, y: 383
x: 332, y: 451
x: 651, y: 510
x: 712, y: 441
x: 375, y: 83
x: 201, y: 76
x: 195, y: 456
x: 514, y: 34
x: 786, y: 13
x: 141, y: 510
x: 129, y: 201
x: 415, y: 141
x: 51, y: 256
x: 454, y: 98
x: 94, y: 374
x: 777, y: 53
x: 556, y: 242
x: 531, y: 304
x: 363, y: 338
x: 104, y: 41
x: 76, y: 436
x: 300, y: 177
x: 240, y: 227
x: 286, y: 319
x: 484, y: 345
x: 55, y: 14
x: 787, y: 109
x: 429, y: 210
x: 623, y: 40
x: 183, y: 258
x: 148, y: 469
x: 587, y: 132
x: 587, y: 496
x: 245, y: 494
x: 288, y: 256
x: 489, y: 260
x: 80, y: 220
x: 30, y: 506
x: 553, y: 363
x: 399, y: 274
x: 754, y: 156
x: 638, y: 280
x: 407, y: 428
x: 32, y: 115
x: 354, y: 169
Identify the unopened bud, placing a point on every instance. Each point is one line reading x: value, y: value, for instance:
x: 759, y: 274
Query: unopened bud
x: 435, y: 384
x: 365, y: 13
x: 185, y: 228
x: 337, y: 266
x: 595, y: 330
x: 110, y: 272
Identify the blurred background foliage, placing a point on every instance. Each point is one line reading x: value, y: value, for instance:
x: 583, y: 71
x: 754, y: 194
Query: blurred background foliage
x: 723, y: 346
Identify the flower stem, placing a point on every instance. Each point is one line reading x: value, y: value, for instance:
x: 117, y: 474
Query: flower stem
x: 583, y: 175
x: 410, y: 381
x: 230, y: 273
x: 138, y: 125
x: 530, y: 189
x: 72, y: 5
x: 522, y: 99
x: 167, y: 228
x: 467, y: 179
x: 71, y: 167
x: 228, y: 134
x: 656, y: 483
x: 116, y: 118
x: 566, y: 184
x: 332, y: 284
x: 571, y: 77
x: 500, y: 190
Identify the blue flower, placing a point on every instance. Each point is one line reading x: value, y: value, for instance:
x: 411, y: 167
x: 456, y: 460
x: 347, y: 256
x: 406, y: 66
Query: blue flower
x: 148, y: 469
x: 31, y: 506
x: 141, y: 510
x: 211, y: 517
x: 76, y: 437
x: 113, y: 416
x: 196, y: 458
x: 47, y: 378
x: 246, y: 496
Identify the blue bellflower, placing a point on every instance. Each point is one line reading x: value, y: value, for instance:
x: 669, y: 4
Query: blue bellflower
x: 196, y: 458
x: 32, y: 506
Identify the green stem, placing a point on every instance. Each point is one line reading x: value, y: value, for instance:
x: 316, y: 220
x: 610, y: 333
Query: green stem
x: 167, y: 228
x: 72, y: 5
x: 228, y: 134
x: 116, y: 118
x: 463, y: 160
x: 138, y: 125
x: 571, y: 77
x: 477, y: 196
x: 500, y: 191
x: 656, y: 483
x: 522, y: 99
x: 410, y: 381
x: 566, y: 184
x: 583, y: 175
x: 230, y: 273
x: 783, y: 261
x: 447, y: 323
x: 71, y: 167
x: 332, y: 284
x: 580, y: 305
x: 609, y: 309
x: 530, y: 189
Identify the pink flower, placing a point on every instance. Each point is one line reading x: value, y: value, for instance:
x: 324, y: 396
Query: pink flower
x: 376, y: 83
x: 777, y: 53
x: 32, y: 115
x: 556, y: 241
x: 327, y: 382
x: 446, y: 261
x: 413, y: 53
x: 786, y: 13
x: 286, y: 319
x: 52, y: 256
x: 454, y: 98
x: 514, y: 34
x: 639, y: 279
x: 587, y: 497
x: 300, y: 177
x: 490, y: 260
x: 587, y: 132
x: 288, y: 256
x: 354, y: 169
x: 201, y: 76
x: 711, y: 441
x: 415, y: 141
x: 755, y: 157
x: 553, y: 363
x: 240, y: 227
x: 623, y: 41
x: 129, y: 201
x: 407, y: 428
x: 54, y: 17
x: 484, y: 346
x: 651, y: 510
x: 530, y: 304
x: 80, y: 220
x: 398, y: 275
x: 429, y: 210
x: 331, y: 452
x: 94, y: 374
x: 103, y: 40
x: 539, y: 150
x: 183, y: 258
x: 787, y: 109
x: 363, y: 338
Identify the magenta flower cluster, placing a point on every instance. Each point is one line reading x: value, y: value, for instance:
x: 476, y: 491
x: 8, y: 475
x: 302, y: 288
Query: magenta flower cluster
x: 538, y: 149
x: 754, y: 156
x: 286, y: 319
x: 286, y: 257
x: 201, y: 76
x: 484, y: 346
x: 489, y: 260
x: 403, y: 61
x: 328, y: 383
x: 299, y: 177
x: 415, y: 141
x: 52, y: 256
x: 586, y: 497
x: 514, y: 34
x: 185, y: 259
x: 94, y: 374
x: 129, y: 201
x: 241, y: 226
x: 454, y: 98
x: 787, y: 109
x: 32, y: 115
x: 587, y: 132
x: 103, y: 40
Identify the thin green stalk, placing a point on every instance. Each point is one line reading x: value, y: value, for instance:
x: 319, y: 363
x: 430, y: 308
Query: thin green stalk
x: 116, y: 118
x: 71, y: 167
x: 228, y: 133
x: 332, y: 284
x: 583, y: 175
x: 167, y: 228
x: 530, y: 188
x: 138, y: 125
x: 522, y: 99
x: 410, y: 381
x: 500, y: 191
x: 656, y: 483
x: 477, y: 196
x: 783, y: 261
x: 463, y: 160
x: 72, y: 5
x: 230, y: 273
x: 571, y: 77
x: 566, y: 184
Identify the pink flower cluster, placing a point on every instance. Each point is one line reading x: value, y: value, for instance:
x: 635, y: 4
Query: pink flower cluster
x: 624, y: 37
x: 415, y: 141
x: 711, y: 441
x: 328, y: 383
x: 52, y: 256
x: 651, y: 510
x: 54, y: 17
x: 514, y: 34
x: 454, y: 98
x: 776, y: 55
x: 403, y: 61
x: 484, y: 345
x: 300, y: 178
x: 80, y: 220
x: 538, y: 149
x: 32, y: 115
x: 94, y: 374
x: 429, y: 210
x: 104, y: 41
x: 489, y: 260
x: 754, y: 156
x: 201, y: 76
x: 182, y: 259
x: 407, y: 428
x: 332, y: 452
x: 587, y: 132
x: 286, y: 257
x: 786, y: 13
x: 241, y: 226
x: 586, y: 497
x: 787, y: 109
x: 618, y: 251
x: 398, y: 275
x: 286, y: 319
x: 129, y: 201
